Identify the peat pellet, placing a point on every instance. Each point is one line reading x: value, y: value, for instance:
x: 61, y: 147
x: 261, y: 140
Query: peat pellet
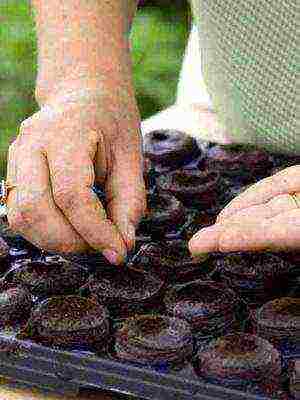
x: 154, y: 340
x: 164, y: 214
x: 53, y: 276
x: 15, y: 304
x: 126, y: 293
x: 278, y: 321
x: 67, y: 320
x: 168, y: 148
x: 196, y: 188
x: 245, y: 165
x: 256, y: 277
x: 295, y: 380
x: 237, y: 360
x: 172, y: 261
x: 209, y: 307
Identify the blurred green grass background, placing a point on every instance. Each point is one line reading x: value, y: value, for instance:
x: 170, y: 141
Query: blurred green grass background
x: 158, y: 37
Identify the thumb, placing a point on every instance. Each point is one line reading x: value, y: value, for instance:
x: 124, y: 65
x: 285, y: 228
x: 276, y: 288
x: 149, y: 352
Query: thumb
x: 125, y: 187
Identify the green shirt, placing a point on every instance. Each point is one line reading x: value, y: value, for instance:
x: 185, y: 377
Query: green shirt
x: 250, y: 64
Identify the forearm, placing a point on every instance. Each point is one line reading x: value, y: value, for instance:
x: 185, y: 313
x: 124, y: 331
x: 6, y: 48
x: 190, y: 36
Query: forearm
x: 84, y: 41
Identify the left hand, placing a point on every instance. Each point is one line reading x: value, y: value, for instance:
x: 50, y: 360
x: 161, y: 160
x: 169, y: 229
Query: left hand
x: 263, y: 217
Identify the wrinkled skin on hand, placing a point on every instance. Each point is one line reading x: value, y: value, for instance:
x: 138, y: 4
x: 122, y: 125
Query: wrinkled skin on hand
x: 263, y: 217
x: 60, y: 152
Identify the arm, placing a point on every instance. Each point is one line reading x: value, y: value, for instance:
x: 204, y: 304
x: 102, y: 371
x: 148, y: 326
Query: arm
x: 78, y: 42
x: 86, y: 132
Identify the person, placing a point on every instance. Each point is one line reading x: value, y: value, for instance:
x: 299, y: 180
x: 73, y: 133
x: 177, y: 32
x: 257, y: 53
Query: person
x: 266, y: 215
x: 88, y: 130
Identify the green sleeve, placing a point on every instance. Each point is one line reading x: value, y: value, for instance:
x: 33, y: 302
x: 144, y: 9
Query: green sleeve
x: 250, y: 63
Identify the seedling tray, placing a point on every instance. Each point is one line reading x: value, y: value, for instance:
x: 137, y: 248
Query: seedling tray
x: 68, y: 371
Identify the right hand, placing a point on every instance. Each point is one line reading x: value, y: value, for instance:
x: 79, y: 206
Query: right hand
x: 59, y: 153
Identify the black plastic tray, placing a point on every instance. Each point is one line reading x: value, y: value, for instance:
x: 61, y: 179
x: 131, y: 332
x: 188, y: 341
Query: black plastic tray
x: 68, y: 371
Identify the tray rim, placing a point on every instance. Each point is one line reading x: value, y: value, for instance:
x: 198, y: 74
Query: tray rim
x: 132, y: 375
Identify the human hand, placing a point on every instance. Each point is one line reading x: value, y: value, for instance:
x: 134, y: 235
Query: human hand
x: 263, y: 217
x: 70, y: 143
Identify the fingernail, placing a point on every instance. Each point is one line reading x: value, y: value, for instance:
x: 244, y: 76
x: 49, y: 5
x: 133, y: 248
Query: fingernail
x: 112, y: 257
x: 203, y: 232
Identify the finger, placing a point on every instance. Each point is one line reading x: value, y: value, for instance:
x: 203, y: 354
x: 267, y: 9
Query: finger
x: 206, y: 240
x: 31, y: 209
x: 285, y: 181
x: 72, y: 176
x: 209, y: 239
x: 278, y: 233
x: 277, y: 205
x: 125, y: 185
